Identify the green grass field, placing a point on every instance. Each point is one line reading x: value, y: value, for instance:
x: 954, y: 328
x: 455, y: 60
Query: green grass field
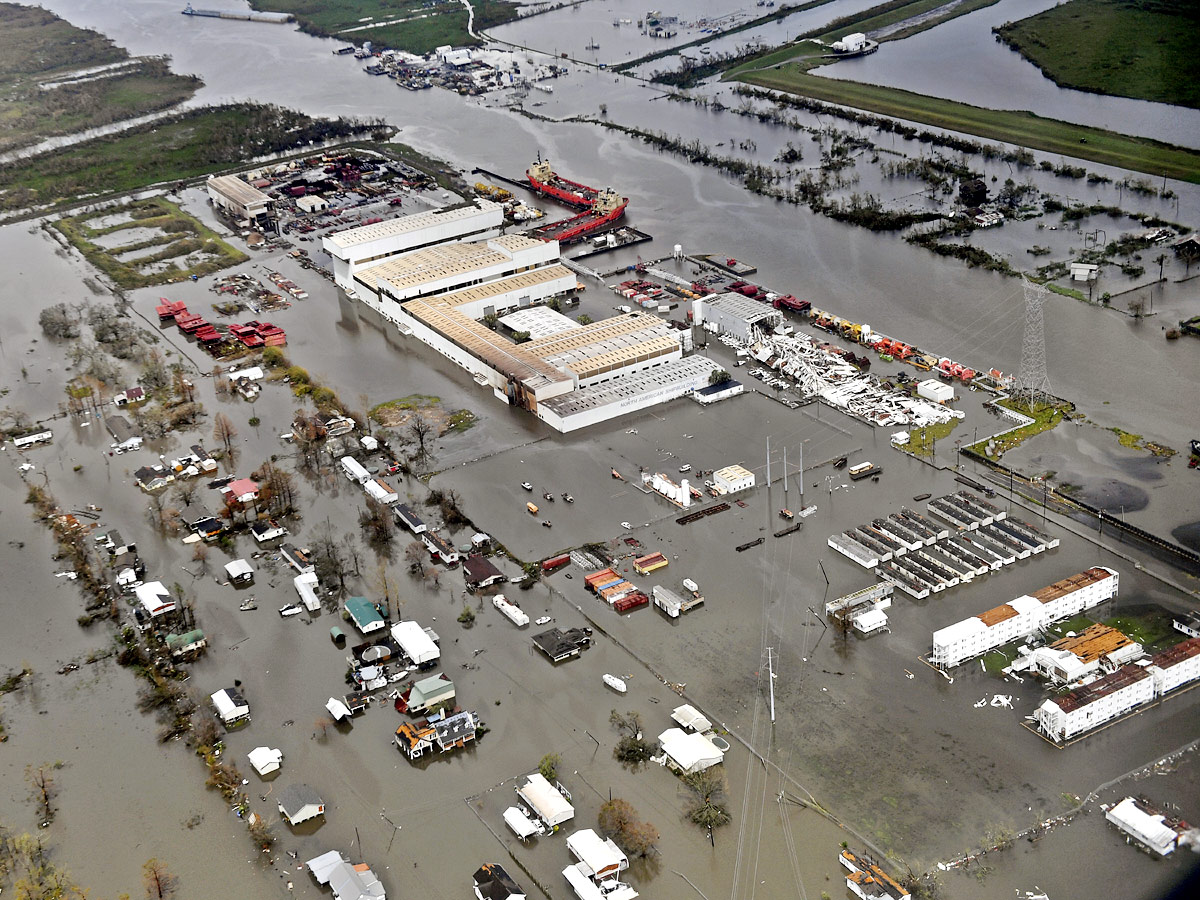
x: 184, y: 146
x: 38, y: 49
x: 400, y: 24
x: 1144, y: 49
x: 1013, y: 126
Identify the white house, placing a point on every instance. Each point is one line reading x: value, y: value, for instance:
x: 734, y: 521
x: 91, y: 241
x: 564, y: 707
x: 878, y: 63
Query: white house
x: 545, y: 801
x: 239, y: 572
x: 231, y: 706
x: 155, y: 598
x: 299, y: 803
x: 346, y: 881
x: 265, y: 760
x: 688, y: 753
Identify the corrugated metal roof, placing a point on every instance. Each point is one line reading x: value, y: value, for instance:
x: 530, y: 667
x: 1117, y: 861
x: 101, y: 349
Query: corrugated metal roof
x: 1070, y: 585
x: 238, y: 191
x: 1101, y: 687
x: 407, y: 224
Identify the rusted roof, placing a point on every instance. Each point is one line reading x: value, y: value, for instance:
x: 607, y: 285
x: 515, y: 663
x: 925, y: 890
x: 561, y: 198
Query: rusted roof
x: 1093, y: 642
x: 1173, y: 656
x: 1101, y: 687
x: 1069, y: 585
x: 997, y: 614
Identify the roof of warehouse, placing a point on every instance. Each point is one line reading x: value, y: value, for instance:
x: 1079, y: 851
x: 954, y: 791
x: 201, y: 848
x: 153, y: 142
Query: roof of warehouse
x: 629, y: 386
x: 484, y: 344
x: 237, y: 190
x: 410, y: 223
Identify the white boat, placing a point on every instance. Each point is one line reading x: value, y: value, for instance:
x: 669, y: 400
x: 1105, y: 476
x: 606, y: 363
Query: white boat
x: 615, y: 683
x: 542, y: 620
x: 527, y: 485
x: 248, y: 603
x: 290, y: 610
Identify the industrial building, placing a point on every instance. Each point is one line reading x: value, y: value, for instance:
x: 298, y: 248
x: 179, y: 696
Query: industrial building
x: 452, y: 295
x: 1022, y: 617
x: 1111, y: 696
x: 734, y: 314
x: 731, y: 479
x: 369, y: 245
x: 247, y: 205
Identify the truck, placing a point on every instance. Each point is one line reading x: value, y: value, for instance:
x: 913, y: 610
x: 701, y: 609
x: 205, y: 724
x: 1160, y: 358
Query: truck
x: 787, y: 301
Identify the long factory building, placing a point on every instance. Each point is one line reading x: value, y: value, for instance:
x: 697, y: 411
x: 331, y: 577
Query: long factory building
x: 442, y: 288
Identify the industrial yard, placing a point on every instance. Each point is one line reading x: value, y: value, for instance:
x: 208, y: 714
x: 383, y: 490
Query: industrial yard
x: 463, y: 527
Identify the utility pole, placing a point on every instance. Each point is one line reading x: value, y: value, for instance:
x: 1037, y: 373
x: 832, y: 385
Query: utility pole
x: 801, y: 474
x: 771, y: 682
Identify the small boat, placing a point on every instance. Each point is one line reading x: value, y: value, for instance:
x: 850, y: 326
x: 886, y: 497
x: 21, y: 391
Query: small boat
x: 686, y: 467
x: 568, y: 498
x: 290, y: 610
x: 617, y: 475
x: 527, y: 485
x: 840, y: 462
x: 786, y: 514
x: 615, y: 683
x: 920, y: 497
x: 532, y: 508
x: 542, y: 620
x: 548, y: 496
x: 248, y: 603
x: 546, y: 523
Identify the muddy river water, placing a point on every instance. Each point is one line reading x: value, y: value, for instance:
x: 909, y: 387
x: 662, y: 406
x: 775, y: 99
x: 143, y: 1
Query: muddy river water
x: 888, y: 753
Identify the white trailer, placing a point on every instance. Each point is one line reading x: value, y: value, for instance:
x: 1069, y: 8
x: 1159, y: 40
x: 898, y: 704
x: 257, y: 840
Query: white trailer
x: 511, y: 612
x: 381, y: 491
x: 354, y: 470
x: 416, y: 643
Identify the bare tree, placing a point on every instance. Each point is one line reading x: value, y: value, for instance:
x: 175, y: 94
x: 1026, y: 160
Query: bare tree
x: 420, y: 429
x: 376, y: 523
x: 224, y: 431
x: 42, y: 788
x: 160, y: 882
x: 416, y: 554
x: 200, y: 555
x: 385, y: 584
x: 185, y: 492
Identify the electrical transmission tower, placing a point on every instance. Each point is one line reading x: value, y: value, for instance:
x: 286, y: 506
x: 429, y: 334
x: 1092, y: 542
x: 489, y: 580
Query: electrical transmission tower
x: 1033, y: 384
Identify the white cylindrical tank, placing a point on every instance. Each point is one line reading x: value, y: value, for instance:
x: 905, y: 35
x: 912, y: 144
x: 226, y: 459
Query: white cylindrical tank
x: 686, y: 500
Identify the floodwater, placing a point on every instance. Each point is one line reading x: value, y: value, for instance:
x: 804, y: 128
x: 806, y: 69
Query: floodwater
x: 847, y: 709
x: 962, y: 60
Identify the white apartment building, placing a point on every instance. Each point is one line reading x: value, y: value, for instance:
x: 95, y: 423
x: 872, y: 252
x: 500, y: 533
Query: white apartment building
x: 1107, y: 698
x: 1023, y: 616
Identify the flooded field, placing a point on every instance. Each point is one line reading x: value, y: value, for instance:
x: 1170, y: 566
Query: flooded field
x: 863, y: 726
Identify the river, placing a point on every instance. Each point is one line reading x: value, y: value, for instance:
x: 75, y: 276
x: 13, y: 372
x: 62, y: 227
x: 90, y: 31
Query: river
x: 1138, y: 382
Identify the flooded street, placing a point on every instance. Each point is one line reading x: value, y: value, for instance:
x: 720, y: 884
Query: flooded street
x: 887, y: 745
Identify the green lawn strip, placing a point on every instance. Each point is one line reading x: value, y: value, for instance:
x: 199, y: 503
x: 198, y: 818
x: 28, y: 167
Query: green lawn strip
x: 890, y: 13
x: 126, y: 273
x: 922, y: 441
x: 1016, y: 127
x: 1152, y: 630
x: 410, y: 25
x: 1145, y: 49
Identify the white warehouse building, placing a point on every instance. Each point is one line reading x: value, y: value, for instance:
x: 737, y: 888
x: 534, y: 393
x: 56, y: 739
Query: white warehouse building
x: 367, y: 245
x: 1023, y: 616
x: 734, y: 314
